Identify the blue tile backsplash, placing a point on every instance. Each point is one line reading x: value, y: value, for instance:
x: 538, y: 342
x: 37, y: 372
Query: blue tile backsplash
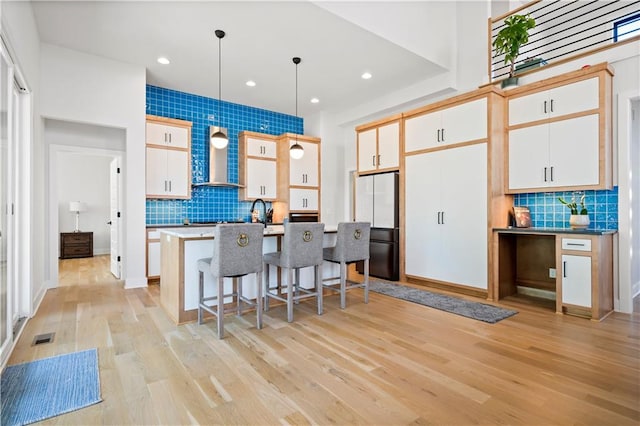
x: 210, y: 204
x: 548, y: 212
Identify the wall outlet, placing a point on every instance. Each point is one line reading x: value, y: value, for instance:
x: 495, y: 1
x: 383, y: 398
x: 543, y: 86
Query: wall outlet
x: 552, y: 272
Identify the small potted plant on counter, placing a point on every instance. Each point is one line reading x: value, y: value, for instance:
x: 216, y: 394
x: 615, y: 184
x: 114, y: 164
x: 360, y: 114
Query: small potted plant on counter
x: 509, y: 39
x: 579, y: 218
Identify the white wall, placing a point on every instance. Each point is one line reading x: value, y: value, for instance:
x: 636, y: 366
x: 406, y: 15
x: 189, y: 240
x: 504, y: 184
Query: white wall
x: 78, y: 87
x: 85, y: 178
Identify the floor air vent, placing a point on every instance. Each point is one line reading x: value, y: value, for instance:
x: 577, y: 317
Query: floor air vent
x: 43, y: 338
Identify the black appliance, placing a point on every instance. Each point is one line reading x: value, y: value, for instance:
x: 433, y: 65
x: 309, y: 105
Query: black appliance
x: 377, y: 201
x: 303, y: 217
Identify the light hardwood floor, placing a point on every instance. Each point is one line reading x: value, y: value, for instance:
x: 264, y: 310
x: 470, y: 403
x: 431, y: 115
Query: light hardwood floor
x: 389, y: 362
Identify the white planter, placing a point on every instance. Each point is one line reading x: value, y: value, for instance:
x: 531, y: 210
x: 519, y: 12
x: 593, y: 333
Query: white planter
x: 579, y: 221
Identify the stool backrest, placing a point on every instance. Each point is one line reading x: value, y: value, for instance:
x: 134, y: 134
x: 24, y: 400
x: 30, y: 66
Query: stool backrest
x: 302, y: 244
x: 352, y: 241
x: 237, y: 249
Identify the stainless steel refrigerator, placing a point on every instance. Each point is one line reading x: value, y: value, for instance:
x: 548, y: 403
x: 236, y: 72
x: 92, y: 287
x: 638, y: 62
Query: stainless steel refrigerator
x: 376, y: 201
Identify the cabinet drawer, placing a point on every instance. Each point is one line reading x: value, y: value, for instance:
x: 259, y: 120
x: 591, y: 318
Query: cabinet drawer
x: 76, y: 239
x: 576, y: 244
x: 153, y: 234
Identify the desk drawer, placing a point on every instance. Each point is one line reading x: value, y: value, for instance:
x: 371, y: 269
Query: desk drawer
x: 577, y: 244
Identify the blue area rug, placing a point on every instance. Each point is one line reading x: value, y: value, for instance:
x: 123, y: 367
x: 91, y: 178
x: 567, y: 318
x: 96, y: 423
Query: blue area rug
x: 466, y: 308
x: 48, y: 387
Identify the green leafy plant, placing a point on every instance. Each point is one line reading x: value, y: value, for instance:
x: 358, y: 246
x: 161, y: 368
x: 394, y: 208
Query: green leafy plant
x: 511, y: 37
x: 576, y: 209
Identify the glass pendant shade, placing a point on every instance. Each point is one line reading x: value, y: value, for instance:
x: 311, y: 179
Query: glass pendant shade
x: 296, y: 151
x: 219, y: 140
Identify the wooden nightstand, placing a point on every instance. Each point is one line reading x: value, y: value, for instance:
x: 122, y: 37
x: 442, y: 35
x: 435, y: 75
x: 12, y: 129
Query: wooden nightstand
x: 76, y: 244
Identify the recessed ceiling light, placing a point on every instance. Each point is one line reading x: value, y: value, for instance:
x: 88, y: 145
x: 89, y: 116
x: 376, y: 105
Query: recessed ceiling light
x: 250, y: 83
x: 315, y: 100
x: 366, y: 76
x: 164, y: 61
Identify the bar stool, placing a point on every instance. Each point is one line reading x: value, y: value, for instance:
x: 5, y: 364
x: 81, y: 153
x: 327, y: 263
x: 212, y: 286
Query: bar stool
x: 301, y: 247
x: 352, y: 245
x: 237, y: 251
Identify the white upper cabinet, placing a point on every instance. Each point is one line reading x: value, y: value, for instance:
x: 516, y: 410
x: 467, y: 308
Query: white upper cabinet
x: 379, y: 147
x: 304, y: 171
x: 260, y: 179
x: 167, y: 135
x: 568, y: 99
x: 459, y: 123
x: 302, y: 200
x: 261, y: 148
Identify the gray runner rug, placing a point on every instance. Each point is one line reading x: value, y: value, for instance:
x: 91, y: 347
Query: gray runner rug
x: 466, y: 308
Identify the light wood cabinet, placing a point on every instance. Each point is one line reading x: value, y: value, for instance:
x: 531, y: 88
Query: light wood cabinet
x: 445, y: 125
x: 446, y: 216
x: 257, y: 159
x: 298, y: 179
x: 379, y: 145
x: 153, y: 253
x: 168, y: 158
x: 559, y: 133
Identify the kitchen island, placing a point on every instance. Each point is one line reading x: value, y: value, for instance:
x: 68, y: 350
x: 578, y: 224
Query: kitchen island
x: 180, y: 250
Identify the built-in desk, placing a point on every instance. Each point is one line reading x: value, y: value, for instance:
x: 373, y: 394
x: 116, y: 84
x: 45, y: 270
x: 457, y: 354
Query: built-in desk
x: 575, y: 267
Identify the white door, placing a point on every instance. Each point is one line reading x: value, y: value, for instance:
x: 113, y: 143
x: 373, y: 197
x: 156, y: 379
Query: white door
x: 575, y: 97
x: 389, y: 146
x: 525, y: 109
x: 464, y: 122
x: 576, y: 280
x: 574, y: 151
x: 303, y: 199
x: 367, y: 150
x: 114, y: 213
x: 304, y: 171
x: 422, y: 131
x: 364, y: 199
x: 156, y: 173
x: 384, y: 190
x: 529, y: 157
x: 261, y: 179
x: 178, y: 172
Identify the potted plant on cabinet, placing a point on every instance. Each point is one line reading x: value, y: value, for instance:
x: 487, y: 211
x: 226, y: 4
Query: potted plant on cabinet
x: 508, y: 41
x: 579, y: 218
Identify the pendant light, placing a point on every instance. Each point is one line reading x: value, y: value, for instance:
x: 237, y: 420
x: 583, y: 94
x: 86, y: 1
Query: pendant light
x: 296, y: 151
x: 219, y: 140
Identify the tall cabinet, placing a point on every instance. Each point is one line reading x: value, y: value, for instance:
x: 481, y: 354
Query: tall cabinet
x: 258, y: 166
x: 168, y: 158
x: 299, y: 179
x: 452, y: 195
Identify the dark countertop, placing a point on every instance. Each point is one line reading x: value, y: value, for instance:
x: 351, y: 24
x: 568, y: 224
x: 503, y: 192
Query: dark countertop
x: 588, y: 231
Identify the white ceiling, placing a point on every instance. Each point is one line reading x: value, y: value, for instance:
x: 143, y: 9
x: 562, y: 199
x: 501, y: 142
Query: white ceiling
x: 262, y: 37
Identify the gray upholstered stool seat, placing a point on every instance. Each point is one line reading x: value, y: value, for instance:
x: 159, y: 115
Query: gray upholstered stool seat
x: 237, y: 251
x: 301, y: 248
x: 352, y: 245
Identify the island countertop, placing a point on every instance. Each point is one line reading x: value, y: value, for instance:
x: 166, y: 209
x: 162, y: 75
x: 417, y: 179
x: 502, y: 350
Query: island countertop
x: 204, y: 232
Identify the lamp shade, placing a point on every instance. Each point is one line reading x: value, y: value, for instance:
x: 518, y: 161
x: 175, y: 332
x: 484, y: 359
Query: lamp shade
x: 296, y: 151
x: 76, y: 206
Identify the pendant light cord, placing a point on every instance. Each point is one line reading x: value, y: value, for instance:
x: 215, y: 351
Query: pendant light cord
x: 219, y: 79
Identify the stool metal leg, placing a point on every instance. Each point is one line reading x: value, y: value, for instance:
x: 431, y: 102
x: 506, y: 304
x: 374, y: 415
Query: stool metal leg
x: 343, y: 285
x: 220, y: 315
x: 289, y: 295
x: 259, y: 301
x: 200, y: 297
x: 366, y: 281
x: 266, y: 287
x: 319, y: 289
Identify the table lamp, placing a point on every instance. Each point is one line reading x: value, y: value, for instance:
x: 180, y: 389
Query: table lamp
x: 77, y: 207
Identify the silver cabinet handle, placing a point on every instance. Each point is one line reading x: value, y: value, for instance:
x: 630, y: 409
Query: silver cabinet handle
x: 169, y: 182
x: 551, y: 105
x: 564, y: 269
x: 545, y: 174
x: 551, y: 173
x: 378, y: 159
x: 545, y: 107
x: 438, y: 218
x: 442, y: 218
x: 373, y: 160
x: 165, y: 186
x: 442, y: 135
x: 170, y: 138
x: 438, y: 135
x: 576, y: 244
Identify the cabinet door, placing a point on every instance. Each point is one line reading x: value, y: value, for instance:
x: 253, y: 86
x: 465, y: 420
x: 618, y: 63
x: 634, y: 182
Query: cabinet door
x: 261, y: 179
x: 156, y: 173
x: 422, y: 207
x: 303, y: 199
x: 576, y: 280
x: 528, y: 108
x: 178, y: 173
x: 161, y: 134
x: 422, y: 131
x: 304, y: 171
x: 529, y: 157
x: 574, y: 151
x: 153, y: 259
x: 364, y: 199
x: 463, y: 256
x: 574, y: 97
x: 389, y: 146
x: 261, y: 148
x: 464, y: 122
x: 367, y: 150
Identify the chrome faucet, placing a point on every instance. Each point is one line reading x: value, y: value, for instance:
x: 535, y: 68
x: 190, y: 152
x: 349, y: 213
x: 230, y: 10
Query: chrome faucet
x: 264, y: 210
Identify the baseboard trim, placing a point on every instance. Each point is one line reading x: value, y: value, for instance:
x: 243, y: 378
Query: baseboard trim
x: 454, y: 288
